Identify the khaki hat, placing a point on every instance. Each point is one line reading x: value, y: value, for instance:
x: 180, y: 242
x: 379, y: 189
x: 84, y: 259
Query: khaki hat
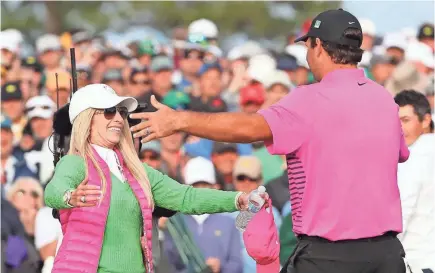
x: 405, y: 76
x: 247, y: 165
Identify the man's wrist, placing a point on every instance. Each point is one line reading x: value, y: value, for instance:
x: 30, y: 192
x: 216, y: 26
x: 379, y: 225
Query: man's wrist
x: 182, y: 120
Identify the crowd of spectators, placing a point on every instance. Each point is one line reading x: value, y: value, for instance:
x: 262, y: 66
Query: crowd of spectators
x: 191, y: 73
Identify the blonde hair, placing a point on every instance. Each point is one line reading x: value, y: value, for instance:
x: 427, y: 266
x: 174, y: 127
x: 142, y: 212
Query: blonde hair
x: 26, y: 180
x: 80, y: 145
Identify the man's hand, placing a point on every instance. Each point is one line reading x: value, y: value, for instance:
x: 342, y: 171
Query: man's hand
x: 154, y: 125
x: 214, y: 264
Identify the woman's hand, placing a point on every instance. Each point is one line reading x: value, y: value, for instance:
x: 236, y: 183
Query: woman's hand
x: 243, y: 200
x: 85, y: 195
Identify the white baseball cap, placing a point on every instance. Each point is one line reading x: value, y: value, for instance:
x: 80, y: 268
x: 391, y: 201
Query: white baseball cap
x: 260, y: 67
x: 298, y: 51
x: 203, y: 27
x: 395, y: 40
x: 278, y: 77
x: 8, y: 42
x: 420, y: 52
x: 368, y: 27
x: 40, y: 107
x: 199, y: 169
x: 48, y: 42
x: 99, y: 96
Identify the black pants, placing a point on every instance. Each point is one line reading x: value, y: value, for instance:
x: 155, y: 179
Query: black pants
x: 383, y: 254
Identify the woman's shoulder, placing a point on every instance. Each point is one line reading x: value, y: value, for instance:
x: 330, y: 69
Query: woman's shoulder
x: 71, y: 162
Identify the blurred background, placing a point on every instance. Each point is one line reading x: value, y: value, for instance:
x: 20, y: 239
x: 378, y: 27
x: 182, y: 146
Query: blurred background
x: 198, y: 56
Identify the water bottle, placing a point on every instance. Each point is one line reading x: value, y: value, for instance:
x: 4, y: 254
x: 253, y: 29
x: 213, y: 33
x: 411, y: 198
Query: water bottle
x: 255, y: 203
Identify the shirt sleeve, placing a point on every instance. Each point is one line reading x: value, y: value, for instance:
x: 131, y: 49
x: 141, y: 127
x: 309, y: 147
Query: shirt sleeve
x: 289, y: 121
x: 69, y: 173
x: 170, y: 194
x: 47, y: 229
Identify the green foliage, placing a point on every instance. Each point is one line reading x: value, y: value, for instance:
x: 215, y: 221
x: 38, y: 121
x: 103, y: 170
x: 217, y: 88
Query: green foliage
x: 251, y: 17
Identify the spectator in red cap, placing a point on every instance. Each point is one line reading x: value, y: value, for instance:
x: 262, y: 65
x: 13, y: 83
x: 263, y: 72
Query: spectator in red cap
x: 252, y: 98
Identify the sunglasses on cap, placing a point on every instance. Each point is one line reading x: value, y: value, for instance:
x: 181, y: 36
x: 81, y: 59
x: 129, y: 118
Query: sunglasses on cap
x: 44, y: 107
x: 109, y: 113
x: 243, y: 177
x: 34, y: 194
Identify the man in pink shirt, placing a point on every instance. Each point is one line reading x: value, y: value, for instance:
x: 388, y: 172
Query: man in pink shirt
x: 343, y: 141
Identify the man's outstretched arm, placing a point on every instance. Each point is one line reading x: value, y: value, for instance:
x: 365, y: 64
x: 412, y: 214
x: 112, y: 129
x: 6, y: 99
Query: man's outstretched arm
x: 224, y: 127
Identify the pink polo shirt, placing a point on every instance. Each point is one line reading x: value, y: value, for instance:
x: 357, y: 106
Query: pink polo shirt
x: 343, y: 141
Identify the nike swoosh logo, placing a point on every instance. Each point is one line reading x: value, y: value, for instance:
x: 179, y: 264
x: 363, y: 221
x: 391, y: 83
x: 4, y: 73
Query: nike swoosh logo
x: 361, y: 84
x: 350, y: 23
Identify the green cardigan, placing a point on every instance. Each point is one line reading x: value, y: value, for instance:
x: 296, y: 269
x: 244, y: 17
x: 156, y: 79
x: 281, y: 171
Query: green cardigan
x: 121, y: 250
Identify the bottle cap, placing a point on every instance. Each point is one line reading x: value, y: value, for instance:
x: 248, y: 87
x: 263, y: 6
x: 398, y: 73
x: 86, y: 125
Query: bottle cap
x: 262, y: 189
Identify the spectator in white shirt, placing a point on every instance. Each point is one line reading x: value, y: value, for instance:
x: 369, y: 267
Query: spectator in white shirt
x: 416, y: 181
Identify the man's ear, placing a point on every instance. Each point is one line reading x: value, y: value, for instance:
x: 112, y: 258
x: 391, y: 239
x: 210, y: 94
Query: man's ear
x: 318, y: 49
x: 426, y: 121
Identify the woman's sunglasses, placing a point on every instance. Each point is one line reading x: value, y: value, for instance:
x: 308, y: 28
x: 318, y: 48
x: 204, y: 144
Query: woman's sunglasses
x: 34, y: 194
x: 109, y: 113
x: 245, y: 177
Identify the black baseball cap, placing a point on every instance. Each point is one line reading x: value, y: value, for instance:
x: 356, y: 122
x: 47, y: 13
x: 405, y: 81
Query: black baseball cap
x: 11, y: 91
x: 330, y: 25
x: 426, y: 31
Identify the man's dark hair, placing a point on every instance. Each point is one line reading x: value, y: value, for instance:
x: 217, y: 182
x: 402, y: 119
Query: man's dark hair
x: 417, y: 100
x: 343, y: 54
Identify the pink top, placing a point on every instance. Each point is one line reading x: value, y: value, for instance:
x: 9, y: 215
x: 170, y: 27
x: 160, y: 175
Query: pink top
x: 343, y: 141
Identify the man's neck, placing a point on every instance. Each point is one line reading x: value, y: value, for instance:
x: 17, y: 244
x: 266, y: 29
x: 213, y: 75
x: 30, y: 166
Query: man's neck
x: 334, y: 67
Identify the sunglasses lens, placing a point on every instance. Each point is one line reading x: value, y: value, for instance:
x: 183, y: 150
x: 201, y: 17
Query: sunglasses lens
x: 123, y: 112
x: 110, y: 113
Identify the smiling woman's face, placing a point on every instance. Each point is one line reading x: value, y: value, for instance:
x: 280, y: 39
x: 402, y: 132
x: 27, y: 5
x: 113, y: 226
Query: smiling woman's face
x: 106, y: 130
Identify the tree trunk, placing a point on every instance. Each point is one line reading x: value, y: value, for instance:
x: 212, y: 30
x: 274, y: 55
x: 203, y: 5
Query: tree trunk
x: 53, y: 22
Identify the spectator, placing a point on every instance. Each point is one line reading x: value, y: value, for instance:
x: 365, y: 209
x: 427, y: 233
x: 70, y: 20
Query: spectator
x: 210, y: 88
x: 406, y: 76
x: 416, y: 181
x: 13, y: 107
x: 12, y: 166
x: 205, y: 28
x: 63, y: 81
x: 369, y: 34
x: 161, y: 72
x: 382, y: 67
x: 277, y: 87
x: 246, y: 178
x: 49, y: 51
x: 171, y: 154
x: 426, y: 35
x: 40, y: 111
x: 145, y: 52
x: 84, y: 75
x: 113, y: 78
x: 18, y: 253
x: 150, y: 154
x: 26, y: 196
x: 140, y: 82
x: 115, y: 59
x: 395, y: 45
x: 421, y: 56
x: 48, y: 233
x: 288, y: 64
x: 214, y: 234
x: 223, y: 156
x: 30, y: 77
x: 191, y: 62
x: 300, y: 76
x: 277, y: 189
x: 252, y: 98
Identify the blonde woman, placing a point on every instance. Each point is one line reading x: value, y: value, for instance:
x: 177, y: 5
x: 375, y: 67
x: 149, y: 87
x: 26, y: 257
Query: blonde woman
x: 106, y: 195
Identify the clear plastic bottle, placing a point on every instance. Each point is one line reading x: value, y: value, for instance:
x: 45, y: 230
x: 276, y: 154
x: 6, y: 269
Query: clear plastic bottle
x: 255, y: 203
